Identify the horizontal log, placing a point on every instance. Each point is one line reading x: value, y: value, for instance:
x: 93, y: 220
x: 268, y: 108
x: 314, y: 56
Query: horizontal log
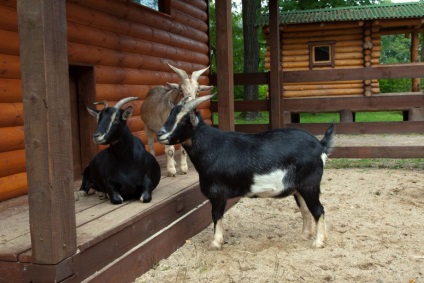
x: 324, y: 92
x: 12, y: 138
x: 95, y: 18
x: 11, y: 115
x: 364, y: 127
x: 200, y: 4
x: 96, y: 37
x: 381, y: 102
x: 290, y: 52
x: 114, y: 75
x: 189, y: 21
x: 348, y: 55
x: 9, y: 43
x: 13, y: 186
x: 10, y: 90
x: 12, y: 162
x: 191, y: 9
x: 114, y: 92
x: 316, y: 26
x: 401, y: 22
x: 147, y: 17
x: 292, y: 58
x: 329, y: 84
x: 323, y: 86
x: 354, y: 128
x: 10, y: 67
x: 386, y: 71
x: 8, y: 19
x: 301, y: 64
x: 322, y: 33
x: 303, y: 40
x: 108, y: 57
x: 378, y: 152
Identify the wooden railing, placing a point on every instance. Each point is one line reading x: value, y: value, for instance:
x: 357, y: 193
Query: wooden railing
x: 345, y: 104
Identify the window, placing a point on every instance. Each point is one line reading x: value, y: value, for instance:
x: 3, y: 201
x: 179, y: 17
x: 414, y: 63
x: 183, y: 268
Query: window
x: 321, y: 54
x: 158, y: 5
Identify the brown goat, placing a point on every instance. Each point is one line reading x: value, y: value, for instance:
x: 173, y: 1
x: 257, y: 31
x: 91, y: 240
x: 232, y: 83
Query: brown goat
x: 156, y: 108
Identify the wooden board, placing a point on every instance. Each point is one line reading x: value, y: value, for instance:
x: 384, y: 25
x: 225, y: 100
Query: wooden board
x: 105, y: 232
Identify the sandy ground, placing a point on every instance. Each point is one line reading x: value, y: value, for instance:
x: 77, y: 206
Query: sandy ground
x: 375, y: 224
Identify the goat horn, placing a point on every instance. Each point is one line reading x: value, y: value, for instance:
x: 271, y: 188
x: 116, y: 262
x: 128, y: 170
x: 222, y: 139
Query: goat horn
x: 181, y: 73
x: 121, y: 102
x: 196, y: 74
x: 104, y: 102
x: 193, y: 103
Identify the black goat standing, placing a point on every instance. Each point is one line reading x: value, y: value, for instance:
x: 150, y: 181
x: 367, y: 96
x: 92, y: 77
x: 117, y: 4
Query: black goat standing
x: 276, y: 163
x: 124, y: 170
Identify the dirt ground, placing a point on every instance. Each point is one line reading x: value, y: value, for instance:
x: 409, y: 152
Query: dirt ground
x: 375, y: 226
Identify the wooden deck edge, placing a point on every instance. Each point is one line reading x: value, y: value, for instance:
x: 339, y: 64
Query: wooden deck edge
x: 148, y: 253
x: 378, y: 152
x: 89, y: 261
x: 161, y: 245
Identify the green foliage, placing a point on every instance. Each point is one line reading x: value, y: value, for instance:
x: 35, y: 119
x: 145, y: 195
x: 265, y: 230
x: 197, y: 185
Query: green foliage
x: 396, y: 49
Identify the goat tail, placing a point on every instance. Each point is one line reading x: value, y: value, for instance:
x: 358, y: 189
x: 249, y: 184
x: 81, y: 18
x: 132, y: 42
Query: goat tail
x: 327, y: 141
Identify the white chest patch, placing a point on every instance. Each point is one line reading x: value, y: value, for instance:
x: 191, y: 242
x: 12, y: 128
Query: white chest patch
x: 269, y: 185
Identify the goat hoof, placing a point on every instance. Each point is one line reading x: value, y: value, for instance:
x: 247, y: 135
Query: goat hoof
x: 318, y: 244
x: 170, y: 174
x: 145, y: 199
x: 215, y: 246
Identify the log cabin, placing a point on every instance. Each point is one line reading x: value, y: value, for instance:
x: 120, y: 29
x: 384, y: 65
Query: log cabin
x: 58, y: 56
x: 343, y: 38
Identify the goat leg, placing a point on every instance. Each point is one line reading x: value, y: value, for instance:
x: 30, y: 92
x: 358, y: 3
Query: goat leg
x: 218, y: 208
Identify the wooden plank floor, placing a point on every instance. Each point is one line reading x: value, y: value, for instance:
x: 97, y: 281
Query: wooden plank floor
x: 104, y: 231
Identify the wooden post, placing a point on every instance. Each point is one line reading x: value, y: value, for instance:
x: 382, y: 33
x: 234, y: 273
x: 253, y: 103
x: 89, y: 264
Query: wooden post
x: 415, y: 58
x: 224, y: 65
x: 45, y: 92
x: 275, y: 90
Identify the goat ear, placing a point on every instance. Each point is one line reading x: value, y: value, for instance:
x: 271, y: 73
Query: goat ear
x: 127, y: 113
x: 92, y: 112
x: 205, y: 87
x: 171, y: 103
x: 193, y: 103
x: 173, y: 86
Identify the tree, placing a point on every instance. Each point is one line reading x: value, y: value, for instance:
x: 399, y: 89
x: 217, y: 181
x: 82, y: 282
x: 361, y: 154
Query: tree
x: 251, y: 50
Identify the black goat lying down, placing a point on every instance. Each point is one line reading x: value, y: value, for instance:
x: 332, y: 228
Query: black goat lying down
x: 275, y: 163
x: 124, y: 170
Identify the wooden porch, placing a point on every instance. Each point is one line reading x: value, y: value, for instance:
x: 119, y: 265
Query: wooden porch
x: 115, y: 243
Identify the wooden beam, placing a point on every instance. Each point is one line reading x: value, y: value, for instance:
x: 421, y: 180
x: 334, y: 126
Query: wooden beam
x: 224, y: 65
x: 380, y: 102
x: 45, y: 92
x: 392, y: 71
x: 275, y: 90
x: 415, y: 58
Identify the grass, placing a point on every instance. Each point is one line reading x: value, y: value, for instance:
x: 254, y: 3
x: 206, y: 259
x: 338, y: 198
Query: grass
x: 382, y: 116
x: 387, y: 163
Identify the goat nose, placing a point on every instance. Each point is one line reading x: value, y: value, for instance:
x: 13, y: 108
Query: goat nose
x: 96, y: 135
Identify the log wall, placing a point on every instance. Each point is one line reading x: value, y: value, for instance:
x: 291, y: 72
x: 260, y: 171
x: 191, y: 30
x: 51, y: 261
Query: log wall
x: 357, y: 45
x: 129, y: 47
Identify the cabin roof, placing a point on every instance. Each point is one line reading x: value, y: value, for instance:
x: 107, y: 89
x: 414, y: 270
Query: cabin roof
x: 352, y: 13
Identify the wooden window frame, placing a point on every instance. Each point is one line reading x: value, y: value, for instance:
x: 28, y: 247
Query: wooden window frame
x: 329, y: 63
x: 164, y: 6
